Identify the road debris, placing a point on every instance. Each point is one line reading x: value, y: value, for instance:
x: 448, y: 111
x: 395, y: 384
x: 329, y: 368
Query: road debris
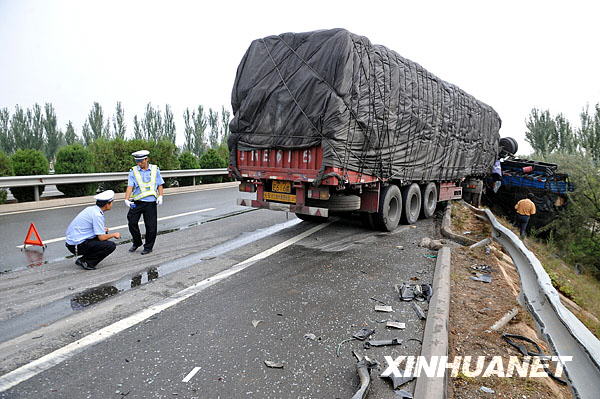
x: 481, y: 243
x: 430, y: 256
x: 273, y: 365
x: 486, y: 278
x: 505, y: 319
x: 383, y: 342
x: 395, y: 324
x: 310, y: 336
x: 398, y: 381
x: 420, y: 292
x: 382, y: 308
x: 363, y: 333
x: 419, y: 311
x: 363, y: 367
x: 256, y: 322
x: 402, y: 394
x: 486, y: 389
x: 482, y: 268
x: 400, y: 247
x: 427, y: 242
x: 378, y: 300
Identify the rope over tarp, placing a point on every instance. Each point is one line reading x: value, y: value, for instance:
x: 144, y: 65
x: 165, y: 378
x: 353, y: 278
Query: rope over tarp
x: 371, y: 110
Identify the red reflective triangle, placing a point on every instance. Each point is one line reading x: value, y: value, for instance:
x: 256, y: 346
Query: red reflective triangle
x: 37, y: 240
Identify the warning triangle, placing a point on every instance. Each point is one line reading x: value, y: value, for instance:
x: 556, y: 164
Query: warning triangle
x: 36, y: 239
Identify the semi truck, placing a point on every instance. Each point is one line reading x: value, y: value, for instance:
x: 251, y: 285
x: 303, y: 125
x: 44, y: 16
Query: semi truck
x: 325, y: 122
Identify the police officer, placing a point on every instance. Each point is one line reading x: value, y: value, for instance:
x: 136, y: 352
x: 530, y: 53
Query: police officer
x: 88, y: 236
x: 145, y: 188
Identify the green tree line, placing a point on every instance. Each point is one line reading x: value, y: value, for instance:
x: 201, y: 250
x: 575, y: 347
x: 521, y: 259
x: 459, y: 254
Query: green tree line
x: 553, y: 138
x: 36, y: 128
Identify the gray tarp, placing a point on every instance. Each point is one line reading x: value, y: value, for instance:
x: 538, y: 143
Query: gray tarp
x: 372, y: 110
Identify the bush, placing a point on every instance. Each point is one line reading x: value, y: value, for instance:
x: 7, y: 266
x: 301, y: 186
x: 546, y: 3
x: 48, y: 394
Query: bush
x: 212, y: 160
x: 187, y: 160
x: 75, y: 159
x: 26, y: 163
x: 115, y: 156
x: 5, y: 170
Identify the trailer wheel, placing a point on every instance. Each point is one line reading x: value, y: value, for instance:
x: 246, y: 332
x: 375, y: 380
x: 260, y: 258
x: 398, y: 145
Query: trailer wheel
x: 390, y: 208
x: 312, y: 218
x: 411, y: 197
x: 429, y: 198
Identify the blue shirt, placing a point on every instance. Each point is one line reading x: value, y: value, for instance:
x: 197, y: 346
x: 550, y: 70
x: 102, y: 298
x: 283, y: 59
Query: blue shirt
x: 89, y: 223
x: 146, y: 178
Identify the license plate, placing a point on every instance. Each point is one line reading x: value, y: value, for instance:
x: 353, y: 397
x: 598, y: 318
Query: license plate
x: 269, y: 196
x: 281, y: 186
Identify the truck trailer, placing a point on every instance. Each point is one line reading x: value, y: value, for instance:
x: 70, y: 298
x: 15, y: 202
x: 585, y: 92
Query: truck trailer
x: 326, y: 122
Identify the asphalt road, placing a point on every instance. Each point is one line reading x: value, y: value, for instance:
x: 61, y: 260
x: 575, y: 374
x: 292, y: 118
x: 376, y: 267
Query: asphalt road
x: 322, y: 285
x: 181, y: 210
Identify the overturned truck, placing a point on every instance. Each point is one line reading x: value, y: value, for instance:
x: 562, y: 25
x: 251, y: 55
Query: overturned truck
x: 327, y: 122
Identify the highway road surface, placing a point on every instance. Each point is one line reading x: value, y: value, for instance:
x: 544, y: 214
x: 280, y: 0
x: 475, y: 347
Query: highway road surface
x: 199, y: 317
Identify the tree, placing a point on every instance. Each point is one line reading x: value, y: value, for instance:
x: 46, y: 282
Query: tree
x: 70, y: 135
x: 565, y: 136
x: 213, y: 121
x: 588, y: 135
x: 152, y: 124
x: 119, y: 127
x: 54, y: 136
x: 200, y: 124
x: 20, y: 128
x: 188, y: 131
x: 96, y: 122
x: 225, y: 116
x: 541, y: 132
x: 7, y: 142
x: 86, y: 132
x: 137, y: 129
x: 37, y: 140
x: 169, y: 132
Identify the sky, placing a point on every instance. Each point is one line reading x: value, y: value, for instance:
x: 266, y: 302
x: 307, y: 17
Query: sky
x: 512, y: 55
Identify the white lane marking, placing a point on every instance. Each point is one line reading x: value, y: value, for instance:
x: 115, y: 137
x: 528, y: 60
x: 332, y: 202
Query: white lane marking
x: 50, y: 360
x: 119, y: 200
x: 191, y: 374
x: 141, y: 222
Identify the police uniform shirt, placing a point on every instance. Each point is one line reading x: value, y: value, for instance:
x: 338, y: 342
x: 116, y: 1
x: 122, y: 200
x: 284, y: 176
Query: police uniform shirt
x: 146, y: 175
x: 87, y: 224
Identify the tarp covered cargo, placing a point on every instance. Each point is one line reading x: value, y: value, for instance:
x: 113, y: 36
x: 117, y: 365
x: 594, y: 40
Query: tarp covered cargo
x: 371, y: 110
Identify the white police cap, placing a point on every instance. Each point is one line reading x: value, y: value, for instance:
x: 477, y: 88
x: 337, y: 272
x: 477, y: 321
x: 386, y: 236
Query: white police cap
x: 139, y: 155
x: 105, y: 196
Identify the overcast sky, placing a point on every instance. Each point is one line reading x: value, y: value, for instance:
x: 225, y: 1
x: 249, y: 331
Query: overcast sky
x: 513, y: 55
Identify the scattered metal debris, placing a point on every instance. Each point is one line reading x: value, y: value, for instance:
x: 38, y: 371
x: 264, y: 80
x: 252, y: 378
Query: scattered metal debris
x: 256, y: 322
x: 419, y: 311
x: 363, y: 333
x: 383, y: 342
x: 378, y: 300
x: 466, y: 233
x: 382, y: 308
x: 398, y: 381
x: 420, y: 292
x: 395, y: 324
x: 482, y: 268
x: 363, y: 367
x: 505, y: 319
x: 400, y: 247
x: 337, y: 350
x: 273, y: 365
x: 486, y: 389
x: 402, y: 394
x: 486, y: 278
x: 481, y: 243
x: 310, y: 336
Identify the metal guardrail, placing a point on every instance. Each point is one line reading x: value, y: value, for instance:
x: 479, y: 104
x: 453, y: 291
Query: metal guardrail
x: 76, y: 178
x: 561, y: 328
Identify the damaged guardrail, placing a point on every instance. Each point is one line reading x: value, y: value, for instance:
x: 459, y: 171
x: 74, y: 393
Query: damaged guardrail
x: 561, y: 328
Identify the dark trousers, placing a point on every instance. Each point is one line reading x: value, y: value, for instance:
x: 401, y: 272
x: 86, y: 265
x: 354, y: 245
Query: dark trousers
x: 522, y: 221
x: 148, y: 209
x: 92, y: 251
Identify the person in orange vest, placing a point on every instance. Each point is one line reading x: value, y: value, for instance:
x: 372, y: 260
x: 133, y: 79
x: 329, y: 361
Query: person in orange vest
x: 525, y: 208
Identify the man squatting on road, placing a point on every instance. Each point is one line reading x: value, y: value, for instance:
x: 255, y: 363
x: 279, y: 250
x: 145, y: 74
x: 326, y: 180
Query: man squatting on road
x: 146, y: 185
x: 88, y: 236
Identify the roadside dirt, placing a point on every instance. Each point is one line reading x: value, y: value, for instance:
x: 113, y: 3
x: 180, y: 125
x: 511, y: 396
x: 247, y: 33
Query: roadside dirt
x: 476, y: 306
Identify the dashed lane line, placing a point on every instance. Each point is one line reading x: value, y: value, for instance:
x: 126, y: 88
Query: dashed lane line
x: 52, y: 359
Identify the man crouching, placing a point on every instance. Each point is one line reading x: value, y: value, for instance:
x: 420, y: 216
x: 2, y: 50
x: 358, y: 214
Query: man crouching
x: 87, y: 235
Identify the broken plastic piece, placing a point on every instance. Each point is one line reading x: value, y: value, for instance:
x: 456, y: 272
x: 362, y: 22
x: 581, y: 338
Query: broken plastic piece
x: 363, y: 334
x: 430, y: 256
x: 395, y: 324
x: 363, y: 367
x: 382, y: 308
x: 256, y: 322
x: 419, y: 311
x: 398, y: 381
x: 273, y: 365
x: 482, y: 268
x: 310, y: 336
x: 402, y: 394
x: 486, y: 278
x: 486, y: 389
x: 383, y: 342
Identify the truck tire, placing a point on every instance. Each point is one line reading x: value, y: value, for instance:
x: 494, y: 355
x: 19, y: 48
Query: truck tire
x: 411, y: 198
x: 312, y: 218
x: 343, y: 203
x: 429, y: 197
x: 390, y: 208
